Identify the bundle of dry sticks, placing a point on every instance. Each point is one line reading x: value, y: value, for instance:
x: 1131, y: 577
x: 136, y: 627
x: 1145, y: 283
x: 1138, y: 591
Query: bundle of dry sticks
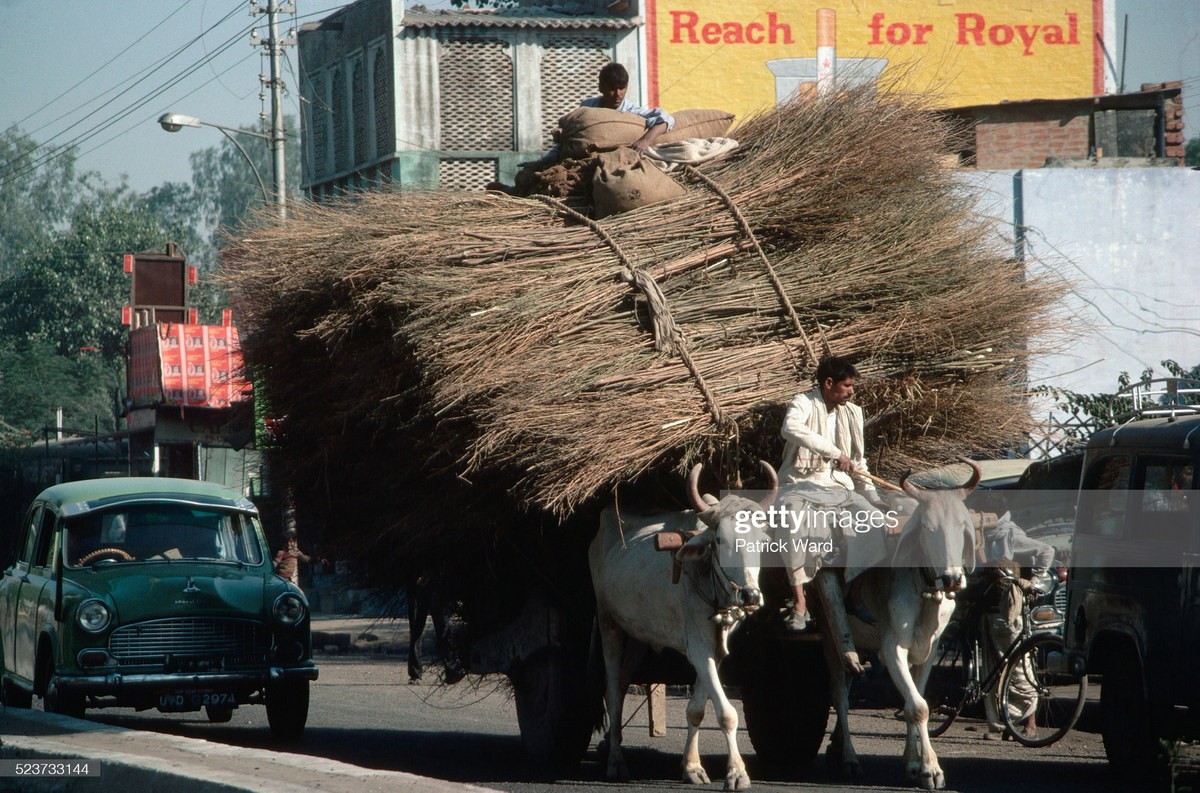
x: 509, y: 341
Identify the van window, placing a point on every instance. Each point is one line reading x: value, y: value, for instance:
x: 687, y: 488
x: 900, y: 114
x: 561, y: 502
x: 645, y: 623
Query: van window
x: 1166, y: 499
x: 1105, y: 497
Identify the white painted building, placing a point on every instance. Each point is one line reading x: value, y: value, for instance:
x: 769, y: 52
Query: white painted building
x: 1127, y: 239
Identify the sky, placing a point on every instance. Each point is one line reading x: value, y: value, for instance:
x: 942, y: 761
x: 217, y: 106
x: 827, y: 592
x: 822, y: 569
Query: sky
x: 99, y: 73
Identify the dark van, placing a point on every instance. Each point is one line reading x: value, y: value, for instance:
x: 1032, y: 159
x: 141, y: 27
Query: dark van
x: 1134, y: 601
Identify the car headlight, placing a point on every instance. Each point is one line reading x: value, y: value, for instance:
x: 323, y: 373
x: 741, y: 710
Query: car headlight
x: 93, y: 616
x: 290, y: 609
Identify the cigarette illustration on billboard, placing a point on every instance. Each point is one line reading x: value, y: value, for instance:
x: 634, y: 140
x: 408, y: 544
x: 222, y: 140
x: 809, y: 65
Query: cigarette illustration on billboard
x: 826, y: 72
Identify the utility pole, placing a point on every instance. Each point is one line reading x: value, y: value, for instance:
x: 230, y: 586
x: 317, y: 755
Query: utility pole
x: 274, y: 47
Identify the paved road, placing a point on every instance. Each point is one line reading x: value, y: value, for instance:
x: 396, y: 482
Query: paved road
x: 364, y: 713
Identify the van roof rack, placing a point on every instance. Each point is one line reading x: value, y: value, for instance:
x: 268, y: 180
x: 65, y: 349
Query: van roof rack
x: 1164, y: 397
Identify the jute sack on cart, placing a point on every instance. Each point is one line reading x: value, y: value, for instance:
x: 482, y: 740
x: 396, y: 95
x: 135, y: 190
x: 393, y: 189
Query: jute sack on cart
x: 589, y: 129
x: 624, y: 180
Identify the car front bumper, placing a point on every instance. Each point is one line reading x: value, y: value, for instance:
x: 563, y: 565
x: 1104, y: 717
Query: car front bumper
x: 118, y: 684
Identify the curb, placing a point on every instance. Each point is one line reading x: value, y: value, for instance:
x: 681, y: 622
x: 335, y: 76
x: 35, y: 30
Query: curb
x: 136, y: 760
x: 361, y: 635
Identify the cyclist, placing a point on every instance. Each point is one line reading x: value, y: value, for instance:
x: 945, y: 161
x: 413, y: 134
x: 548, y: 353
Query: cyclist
x: 1006, y: 550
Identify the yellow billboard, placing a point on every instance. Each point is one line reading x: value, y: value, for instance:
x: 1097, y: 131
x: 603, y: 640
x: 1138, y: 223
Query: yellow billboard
x: 750, y: 55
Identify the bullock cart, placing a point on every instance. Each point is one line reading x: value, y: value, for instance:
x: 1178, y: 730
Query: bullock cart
x: 461, y: 382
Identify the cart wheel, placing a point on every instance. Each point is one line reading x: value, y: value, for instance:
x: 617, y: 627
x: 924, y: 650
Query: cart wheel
x: 556, y: 711
x: 785, y: 697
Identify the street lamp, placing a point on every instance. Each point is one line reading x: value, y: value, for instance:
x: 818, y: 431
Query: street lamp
x: 173, y: 122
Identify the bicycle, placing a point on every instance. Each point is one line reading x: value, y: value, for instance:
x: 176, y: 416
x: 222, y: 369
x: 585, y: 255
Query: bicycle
x: 1039, y: 652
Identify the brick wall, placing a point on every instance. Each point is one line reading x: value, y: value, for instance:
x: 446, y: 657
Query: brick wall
x: 1176, y: 138
x: 1023, y: 137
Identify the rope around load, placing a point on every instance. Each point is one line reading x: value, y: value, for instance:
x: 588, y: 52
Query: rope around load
x: 744, y: 225
x: 667, y: 335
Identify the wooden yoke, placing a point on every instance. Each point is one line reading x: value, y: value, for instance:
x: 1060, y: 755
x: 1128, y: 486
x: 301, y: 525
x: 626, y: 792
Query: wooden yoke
x: 673, y: 541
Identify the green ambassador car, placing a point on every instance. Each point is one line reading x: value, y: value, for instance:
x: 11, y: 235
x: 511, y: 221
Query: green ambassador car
x: 152, y: 593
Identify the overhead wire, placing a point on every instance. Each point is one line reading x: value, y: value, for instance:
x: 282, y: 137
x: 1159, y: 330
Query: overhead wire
x: 143, y: 120
x: 7, y: 174
x: 141, y: 76
x: 144, y: 74
x: 50, y: 152
x: 95, y: 72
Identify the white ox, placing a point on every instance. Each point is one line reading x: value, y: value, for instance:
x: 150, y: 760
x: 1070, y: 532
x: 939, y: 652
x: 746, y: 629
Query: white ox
x: 911, y: 599
x: 638, y: 606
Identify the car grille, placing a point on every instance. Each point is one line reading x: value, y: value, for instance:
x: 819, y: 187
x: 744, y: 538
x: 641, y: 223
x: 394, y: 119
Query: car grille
x: 1060, y: 599
x: 157, y: 642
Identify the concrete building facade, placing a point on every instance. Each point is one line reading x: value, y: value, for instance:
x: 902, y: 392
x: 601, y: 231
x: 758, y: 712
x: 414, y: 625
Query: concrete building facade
x: 445, y: 99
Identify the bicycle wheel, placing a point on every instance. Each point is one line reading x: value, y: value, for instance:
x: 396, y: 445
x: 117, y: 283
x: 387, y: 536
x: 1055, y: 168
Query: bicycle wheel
x: 1035, y: 672
x: 946, y: 688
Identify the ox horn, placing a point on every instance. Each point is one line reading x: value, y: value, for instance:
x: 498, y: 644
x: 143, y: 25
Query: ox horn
x: 774, y: 479
x: 698, y: 503
x: 976, y: 475
x: 907, y: 486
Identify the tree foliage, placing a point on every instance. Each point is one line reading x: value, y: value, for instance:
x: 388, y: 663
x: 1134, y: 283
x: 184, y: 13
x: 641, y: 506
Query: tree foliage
x: 38, y: 381
x: 62, y: 286
x: 62, y: 236
x: 69, y: 289
x: 38, y: 191
x: 1191, y: 153
x: 224, y: 184
x: 1090, y: 412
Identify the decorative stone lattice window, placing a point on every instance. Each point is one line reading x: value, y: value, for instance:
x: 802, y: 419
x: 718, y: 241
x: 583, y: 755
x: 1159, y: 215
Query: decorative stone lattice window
x: 465, y: 174
x: 380, y: 77
x: 359, y: 115
x: 320, y: 126
x: 570, y: 70
x: 337, y: 101
x: 476, y: 85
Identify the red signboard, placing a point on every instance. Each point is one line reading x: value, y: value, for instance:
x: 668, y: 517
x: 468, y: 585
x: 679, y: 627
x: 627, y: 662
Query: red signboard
x: 188, y: 365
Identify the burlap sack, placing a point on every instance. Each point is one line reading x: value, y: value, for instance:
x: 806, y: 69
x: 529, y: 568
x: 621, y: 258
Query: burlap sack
x: 625, y: 181
x: 587, y: 129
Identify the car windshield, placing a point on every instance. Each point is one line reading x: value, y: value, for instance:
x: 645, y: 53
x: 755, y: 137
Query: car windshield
x: 156, y: 532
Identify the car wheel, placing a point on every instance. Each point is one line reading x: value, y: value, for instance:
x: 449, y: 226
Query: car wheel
x: 14, y: 696
x: 54, y: 700
x: 58, y: 701
x: 220, y: 714
x: 287, y: 709
x: 1126, y: 723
